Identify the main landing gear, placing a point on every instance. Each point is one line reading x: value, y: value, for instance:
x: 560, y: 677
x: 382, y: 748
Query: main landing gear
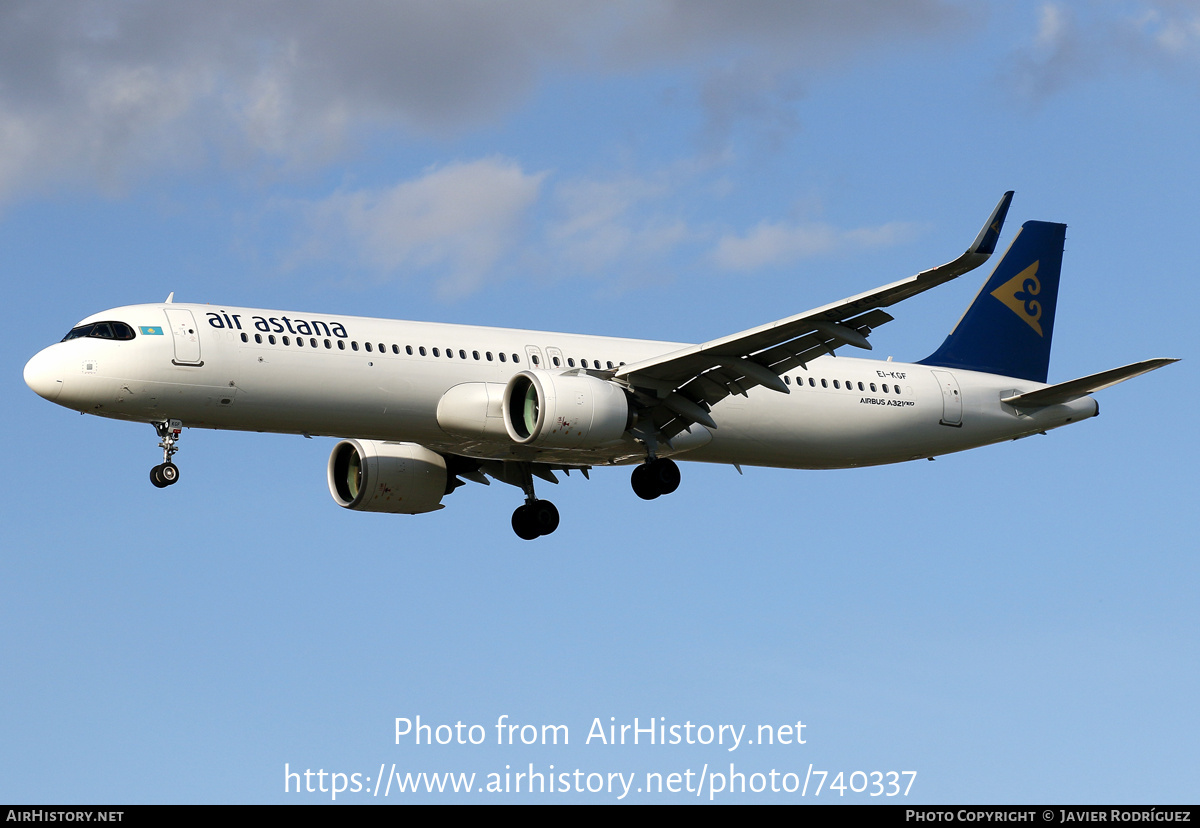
x: 167, y: 473
x: 536, y: 517
x: 654, y: 478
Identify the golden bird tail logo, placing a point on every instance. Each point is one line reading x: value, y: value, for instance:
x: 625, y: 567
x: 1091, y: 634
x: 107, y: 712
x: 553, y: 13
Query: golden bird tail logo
x: 1019, y: 294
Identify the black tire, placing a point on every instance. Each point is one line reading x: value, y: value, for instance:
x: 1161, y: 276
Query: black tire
x: 545, y: 516
x: 522, y: 524
x: 169, y: 473
x: 643, y: 483
x: 156, y: 478
x: 666, y: 475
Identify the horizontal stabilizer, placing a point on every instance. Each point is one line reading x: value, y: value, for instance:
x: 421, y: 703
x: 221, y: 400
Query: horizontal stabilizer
x: 1076, y: 388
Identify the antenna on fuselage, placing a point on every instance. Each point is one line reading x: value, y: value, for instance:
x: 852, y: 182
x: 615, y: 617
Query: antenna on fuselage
x: 170, y: 297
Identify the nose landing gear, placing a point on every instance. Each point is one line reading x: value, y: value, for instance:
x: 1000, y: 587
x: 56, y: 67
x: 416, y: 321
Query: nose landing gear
x: 167, y: 473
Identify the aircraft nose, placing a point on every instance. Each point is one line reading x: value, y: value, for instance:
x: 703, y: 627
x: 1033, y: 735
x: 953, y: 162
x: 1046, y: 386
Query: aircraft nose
x: 44, y: 375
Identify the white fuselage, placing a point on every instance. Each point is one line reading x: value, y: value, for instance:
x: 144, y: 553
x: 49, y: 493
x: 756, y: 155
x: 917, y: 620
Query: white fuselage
x: 380, y: 379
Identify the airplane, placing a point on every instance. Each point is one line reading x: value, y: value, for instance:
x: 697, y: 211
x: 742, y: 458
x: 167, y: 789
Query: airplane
x: 421, y: 408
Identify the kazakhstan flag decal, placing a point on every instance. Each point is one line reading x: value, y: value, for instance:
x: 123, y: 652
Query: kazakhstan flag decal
x: 150, y: 330
x: 1019, y: 295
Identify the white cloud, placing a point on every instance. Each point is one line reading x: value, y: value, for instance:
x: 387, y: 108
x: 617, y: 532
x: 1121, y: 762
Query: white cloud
x: 601, y: 222
x: 453, y: 225
x: 780, y: 243
x: 462, y: 226
x: 1173, y: 28
x: 1084, y: 42
x: 98, y: 91
x: 1052, y: 24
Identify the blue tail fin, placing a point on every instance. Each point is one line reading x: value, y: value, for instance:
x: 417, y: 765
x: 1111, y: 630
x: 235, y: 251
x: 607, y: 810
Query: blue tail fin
x: 1008, y: 327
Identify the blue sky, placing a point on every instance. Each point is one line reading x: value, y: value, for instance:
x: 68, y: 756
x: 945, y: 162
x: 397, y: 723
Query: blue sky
x: 1016, y: 624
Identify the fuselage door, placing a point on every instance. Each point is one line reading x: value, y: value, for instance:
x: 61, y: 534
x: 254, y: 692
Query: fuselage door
x: 556, y: 358
x: 186, y: 335
x: 951, y: 399
x: 534, y: 354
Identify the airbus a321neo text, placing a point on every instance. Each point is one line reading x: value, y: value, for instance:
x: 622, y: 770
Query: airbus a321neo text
x: 421, y: 408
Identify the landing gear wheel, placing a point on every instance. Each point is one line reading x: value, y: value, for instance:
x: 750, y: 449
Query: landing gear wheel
x: 545, y: 516
x: 657, y: 477
x: 643, y: 483
x: 169, y: 473
x: 522, y: 524
x: 535, y: 519
x: 156, y: 477
x: 665, y: 474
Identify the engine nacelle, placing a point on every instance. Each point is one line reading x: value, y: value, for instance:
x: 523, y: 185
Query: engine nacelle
x: 400, y: 478
x: 542, y: 408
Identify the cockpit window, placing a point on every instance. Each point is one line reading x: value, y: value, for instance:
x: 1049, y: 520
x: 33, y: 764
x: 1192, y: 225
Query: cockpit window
x: 101, y: 330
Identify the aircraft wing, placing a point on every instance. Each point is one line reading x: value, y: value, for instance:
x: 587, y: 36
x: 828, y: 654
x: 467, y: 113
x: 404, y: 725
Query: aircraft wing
x: 678, y: 388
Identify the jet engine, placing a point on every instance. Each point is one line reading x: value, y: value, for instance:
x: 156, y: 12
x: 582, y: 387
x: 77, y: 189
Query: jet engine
x: 400, y: 478
x: 551, y: 410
